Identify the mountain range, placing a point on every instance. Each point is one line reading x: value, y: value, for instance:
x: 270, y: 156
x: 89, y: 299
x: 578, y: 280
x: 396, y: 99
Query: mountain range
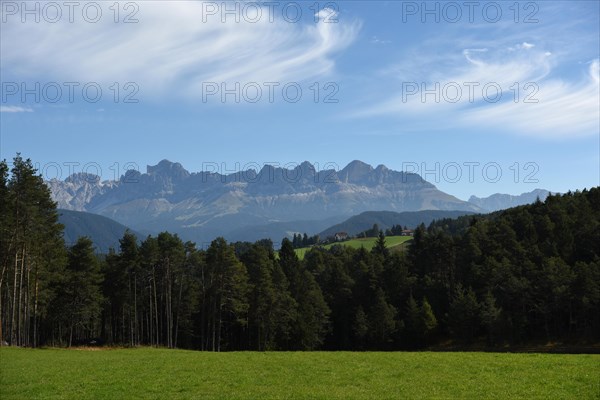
x: 500, y: 201
x: 249, y: 204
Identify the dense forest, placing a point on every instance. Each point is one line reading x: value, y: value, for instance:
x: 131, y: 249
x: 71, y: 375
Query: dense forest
x: 530, y: 274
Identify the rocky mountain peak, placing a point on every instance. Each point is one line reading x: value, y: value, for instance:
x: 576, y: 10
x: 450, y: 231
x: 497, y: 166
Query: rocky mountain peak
x: 307, y: 166
x: 356, y: 172
x: 81, y: 178
x: 167, y: 168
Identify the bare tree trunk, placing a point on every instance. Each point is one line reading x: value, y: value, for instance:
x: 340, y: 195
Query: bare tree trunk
x: 213, y: 324
x: 178, y: 310
x: 123, y: 324
x: 35, y: 306
x: 170, y: 311
x: 1, y: 319
x: 28, y: 307
x: 155, y: 308
x: 203, y: 335
x: 219, y: 326
x: 136, y: 335
x: 150, y: 324
x: 13, y: 337
x: 4, y: 268
x: 129, y: 312
x: 168, y: 303
x: 20, y: 312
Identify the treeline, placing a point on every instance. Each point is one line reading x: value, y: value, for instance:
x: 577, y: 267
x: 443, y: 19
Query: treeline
x: 528, y: 274
x: 299, y: 241
x: 395, y: 230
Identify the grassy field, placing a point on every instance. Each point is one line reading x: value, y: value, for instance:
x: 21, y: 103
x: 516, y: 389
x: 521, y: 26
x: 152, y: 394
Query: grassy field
x: 392, y: 242
x: 177, y: 374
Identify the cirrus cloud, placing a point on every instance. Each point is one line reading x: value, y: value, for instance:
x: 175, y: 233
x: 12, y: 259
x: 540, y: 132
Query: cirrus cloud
x: 533, y: 102
x: 14, y: 109
x: 174, y: 48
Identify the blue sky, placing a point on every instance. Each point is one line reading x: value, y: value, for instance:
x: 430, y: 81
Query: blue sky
x: 460, y: 90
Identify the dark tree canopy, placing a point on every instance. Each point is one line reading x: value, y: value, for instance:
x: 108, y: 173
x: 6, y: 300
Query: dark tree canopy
x: 529, y: 274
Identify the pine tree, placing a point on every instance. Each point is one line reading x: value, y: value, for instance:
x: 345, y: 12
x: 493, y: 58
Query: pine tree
x: 289, y: 262
x: 129, y: 265
x: 150, y: 267
x: 230, y: 303
x: 32, y: 253
x: 360, y: 327
x: 312, y: 317
x: 285, y: 310
x: 312, y: 322
x: 382, y: 320
x: 490, y: 315
x: 171, y: 264
x: 262, y: 297
x: 464, y: 315
x: 380, y: 248
x: 82, y: 296
x: 427, y: 319
x: 374, y: 231
x: 412, y: 324
x: 114, y: 289
x: 5, y: 234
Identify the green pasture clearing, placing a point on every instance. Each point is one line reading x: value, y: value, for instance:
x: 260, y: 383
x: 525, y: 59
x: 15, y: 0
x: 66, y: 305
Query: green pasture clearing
x: 392, y: 243
x: 177, y: 374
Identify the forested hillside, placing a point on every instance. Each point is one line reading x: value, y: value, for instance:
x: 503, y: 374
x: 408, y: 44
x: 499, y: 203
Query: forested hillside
x: 386, y: 219
x: 525, y: 275
x: 104, y: 232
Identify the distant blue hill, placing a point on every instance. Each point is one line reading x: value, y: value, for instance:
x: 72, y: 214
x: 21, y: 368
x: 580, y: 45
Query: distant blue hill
x: 386, y: 219
x: 104, y: 232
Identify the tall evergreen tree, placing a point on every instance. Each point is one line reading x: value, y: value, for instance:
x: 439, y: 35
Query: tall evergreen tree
x: 380, y: 248
x: 81, y: 298
x: 262, y: 298
x: 33, y: 254
x: 490, y: 316
x: 464, y: 315
x: 427, y: 319
x: 382, y: 320
x: 412, y: 324
x: 312, y: 317
x: 230, y: 288
x: 360, y: 327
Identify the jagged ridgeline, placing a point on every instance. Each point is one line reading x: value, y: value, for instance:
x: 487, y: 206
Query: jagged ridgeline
x: 523, y: 276
x: 249, y: 205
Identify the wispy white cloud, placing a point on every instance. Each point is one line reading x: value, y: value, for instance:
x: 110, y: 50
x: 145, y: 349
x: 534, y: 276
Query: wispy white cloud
x: 562, y: 109
x: 175, y: 47
x: 15, y: 109
x: 377, y: 40
x: 526, y: 45
x: 548, y: 55
x: 327, y: 15
x: 533, y: 101
x: 470, y: 73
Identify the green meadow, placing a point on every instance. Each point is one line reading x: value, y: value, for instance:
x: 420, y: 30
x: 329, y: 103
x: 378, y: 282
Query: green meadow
x: 392, y: 242
x: 177, y: 374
